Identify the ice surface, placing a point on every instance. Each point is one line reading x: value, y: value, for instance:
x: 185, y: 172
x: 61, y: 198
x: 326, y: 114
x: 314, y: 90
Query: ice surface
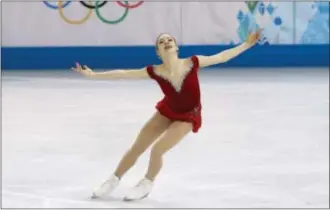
x: 264, y: 141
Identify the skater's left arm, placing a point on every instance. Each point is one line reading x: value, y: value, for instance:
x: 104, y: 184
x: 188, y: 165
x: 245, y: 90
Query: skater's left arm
x: 225, y: 56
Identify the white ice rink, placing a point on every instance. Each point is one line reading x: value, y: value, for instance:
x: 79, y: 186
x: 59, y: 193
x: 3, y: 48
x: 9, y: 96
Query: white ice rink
x: 264, y: 141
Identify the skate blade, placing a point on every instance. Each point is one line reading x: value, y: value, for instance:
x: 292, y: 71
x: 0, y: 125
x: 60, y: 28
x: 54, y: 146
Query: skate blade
x: 126, y: 199
x: 94, y: 196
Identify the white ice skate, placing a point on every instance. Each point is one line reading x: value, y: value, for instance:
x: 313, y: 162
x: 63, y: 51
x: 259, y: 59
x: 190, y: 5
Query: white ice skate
x: 107, y: 187
x: 140, y: 191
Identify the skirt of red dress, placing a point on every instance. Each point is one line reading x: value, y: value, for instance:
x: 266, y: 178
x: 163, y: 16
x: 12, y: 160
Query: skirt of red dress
x: 194, y: 116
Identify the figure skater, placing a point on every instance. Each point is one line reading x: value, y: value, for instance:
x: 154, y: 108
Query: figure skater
x: 177, y: 114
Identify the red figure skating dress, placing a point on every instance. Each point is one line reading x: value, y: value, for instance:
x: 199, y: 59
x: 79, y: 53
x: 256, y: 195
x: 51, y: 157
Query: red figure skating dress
x: 182, y: 104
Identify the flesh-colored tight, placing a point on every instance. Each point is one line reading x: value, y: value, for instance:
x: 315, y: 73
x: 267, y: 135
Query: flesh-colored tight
x: 167, y: 133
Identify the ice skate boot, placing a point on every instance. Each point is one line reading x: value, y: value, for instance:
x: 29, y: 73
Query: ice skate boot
x: 106, y: 188
x: 140, y: 191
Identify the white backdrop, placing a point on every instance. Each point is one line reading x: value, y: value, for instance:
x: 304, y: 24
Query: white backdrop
x: 34, y: 24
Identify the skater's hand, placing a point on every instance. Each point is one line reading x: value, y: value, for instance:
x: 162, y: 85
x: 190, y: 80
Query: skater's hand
x: 253, y: 38
x: 87, y: 72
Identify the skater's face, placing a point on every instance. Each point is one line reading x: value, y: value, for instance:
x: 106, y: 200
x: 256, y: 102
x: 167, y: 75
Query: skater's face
x: 166, y: 44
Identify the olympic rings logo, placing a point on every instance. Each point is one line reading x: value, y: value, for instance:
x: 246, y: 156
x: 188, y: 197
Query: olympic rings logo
x: 90, y: 7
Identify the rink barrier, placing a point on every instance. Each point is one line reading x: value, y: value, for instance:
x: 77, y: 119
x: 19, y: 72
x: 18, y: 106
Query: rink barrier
x: 48, y: 58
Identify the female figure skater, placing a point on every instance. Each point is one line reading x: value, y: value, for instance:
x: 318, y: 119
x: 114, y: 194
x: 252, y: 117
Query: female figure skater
x: 178, y: 113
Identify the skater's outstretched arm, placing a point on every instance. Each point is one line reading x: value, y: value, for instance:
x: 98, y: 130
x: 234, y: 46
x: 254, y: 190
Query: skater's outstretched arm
x: 113, y: 74
x: 229, y: 54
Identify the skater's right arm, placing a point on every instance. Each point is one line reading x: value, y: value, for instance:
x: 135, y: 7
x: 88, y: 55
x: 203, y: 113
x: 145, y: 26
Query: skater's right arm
x: 113, y: 74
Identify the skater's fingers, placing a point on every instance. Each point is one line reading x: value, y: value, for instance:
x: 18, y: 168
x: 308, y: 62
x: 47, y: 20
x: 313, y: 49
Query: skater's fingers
x: 78, y: 66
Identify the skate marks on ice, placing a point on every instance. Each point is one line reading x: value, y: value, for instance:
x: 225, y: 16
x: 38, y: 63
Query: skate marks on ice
x: 71, y: 197
x: 271, y: 148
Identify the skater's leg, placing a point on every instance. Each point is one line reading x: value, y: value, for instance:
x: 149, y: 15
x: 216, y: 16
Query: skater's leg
x: 174, y: 134
x: 148, y: 134
x: 171, y: 137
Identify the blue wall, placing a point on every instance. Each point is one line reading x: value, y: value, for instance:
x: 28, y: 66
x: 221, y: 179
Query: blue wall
x: 35, y: 58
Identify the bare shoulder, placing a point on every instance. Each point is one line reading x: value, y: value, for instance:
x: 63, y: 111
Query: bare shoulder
x: 191, y: 61
x: 187, y: 61
x: 158, y: 67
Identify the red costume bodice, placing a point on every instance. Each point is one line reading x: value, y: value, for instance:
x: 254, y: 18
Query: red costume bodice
x: 181, y: 103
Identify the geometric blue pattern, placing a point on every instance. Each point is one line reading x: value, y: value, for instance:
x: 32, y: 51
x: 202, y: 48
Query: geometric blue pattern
x: 270, y: 9
x: 262, y: 8
x: 278, y: 21
x: 317, y: 31
x: 247, y: 21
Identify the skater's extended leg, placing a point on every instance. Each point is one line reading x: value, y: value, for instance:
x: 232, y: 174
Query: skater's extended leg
x: 171, y: 137
x: 148, y: 134
x: 175, y: 133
